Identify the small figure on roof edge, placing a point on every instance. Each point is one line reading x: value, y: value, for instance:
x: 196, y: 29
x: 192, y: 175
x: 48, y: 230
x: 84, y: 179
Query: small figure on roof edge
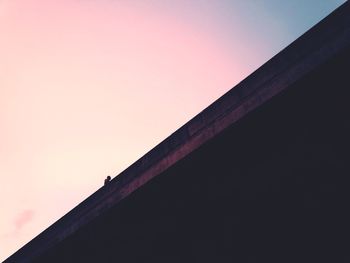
x: 107, y: 180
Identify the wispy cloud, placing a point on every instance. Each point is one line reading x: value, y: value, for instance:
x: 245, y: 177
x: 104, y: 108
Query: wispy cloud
x: 23, y: 218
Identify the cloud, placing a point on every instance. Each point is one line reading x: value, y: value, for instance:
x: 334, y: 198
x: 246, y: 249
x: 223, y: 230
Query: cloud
x: 23, y: 218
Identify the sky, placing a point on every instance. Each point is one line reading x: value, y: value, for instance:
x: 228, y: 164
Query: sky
x: 89, y: 86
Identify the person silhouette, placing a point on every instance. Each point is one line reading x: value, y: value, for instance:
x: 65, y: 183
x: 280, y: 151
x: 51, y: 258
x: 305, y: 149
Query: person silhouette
x: 107, y: 180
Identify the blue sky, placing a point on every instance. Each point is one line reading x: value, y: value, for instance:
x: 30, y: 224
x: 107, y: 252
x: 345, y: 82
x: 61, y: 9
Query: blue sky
x: 88, y: 87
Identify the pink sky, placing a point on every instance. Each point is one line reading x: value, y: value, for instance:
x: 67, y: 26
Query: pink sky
x: 88, y: 87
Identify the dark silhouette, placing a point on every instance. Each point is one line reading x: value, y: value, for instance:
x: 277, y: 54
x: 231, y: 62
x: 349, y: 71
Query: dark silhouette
x: 261, y: 175
x: 107, y: 180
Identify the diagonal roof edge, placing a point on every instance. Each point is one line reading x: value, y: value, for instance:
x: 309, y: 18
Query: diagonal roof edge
x: 319, y: 44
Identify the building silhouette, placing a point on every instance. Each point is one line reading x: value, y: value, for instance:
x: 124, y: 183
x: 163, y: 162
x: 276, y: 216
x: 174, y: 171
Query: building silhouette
x: 261, y: 175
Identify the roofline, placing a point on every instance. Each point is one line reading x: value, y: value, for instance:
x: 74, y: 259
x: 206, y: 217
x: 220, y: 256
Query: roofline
x: 316, y: 46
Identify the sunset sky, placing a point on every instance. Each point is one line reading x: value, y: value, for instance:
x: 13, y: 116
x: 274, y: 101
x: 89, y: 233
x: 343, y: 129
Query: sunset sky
x: 89, y: 86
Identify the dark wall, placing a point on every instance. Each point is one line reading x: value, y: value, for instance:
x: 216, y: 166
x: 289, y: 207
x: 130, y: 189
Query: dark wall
x: 274, y: 187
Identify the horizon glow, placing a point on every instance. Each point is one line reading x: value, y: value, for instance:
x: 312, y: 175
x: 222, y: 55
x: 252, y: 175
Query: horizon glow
x: 88, y: 87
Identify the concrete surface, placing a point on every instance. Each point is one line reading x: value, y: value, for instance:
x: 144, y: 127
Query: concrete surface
x: 260, y: 175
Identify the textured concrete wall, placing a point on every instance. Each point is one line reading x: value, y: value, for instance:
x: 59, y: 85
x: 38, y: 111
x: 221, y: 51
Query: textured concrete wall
x: 258, y: 150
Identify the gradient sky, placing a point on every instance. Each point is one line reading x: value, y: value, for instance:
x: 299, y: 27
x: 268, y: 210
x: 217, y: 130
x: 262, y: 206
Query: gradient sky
x: 89, y: 86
